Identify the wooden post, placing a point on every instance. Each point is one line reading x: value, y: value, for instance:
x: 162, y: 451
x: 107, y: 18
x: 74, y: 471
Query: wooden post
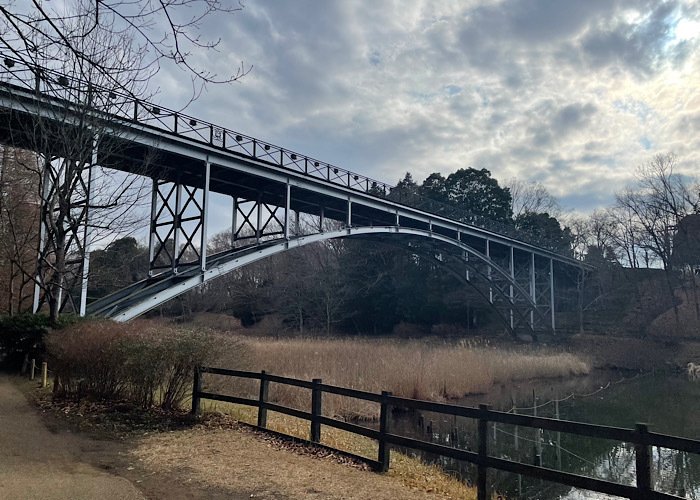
x: 31, y: 369
x: 196, y: 389
x: 538, y: 434
x: 556, y: 415
x: 384, y: 448
x: 515, y: 431
x: 44, y: 373
x: 262, y: 399
x: 316, y: 411
x: 483, y: 424
x: 643, y: 460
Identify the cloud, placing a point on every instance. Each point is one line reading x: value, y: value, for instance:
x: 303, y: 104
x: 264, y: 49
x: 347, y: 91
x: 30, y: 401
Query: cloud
x: 644, y: 46
x: 575, y: 94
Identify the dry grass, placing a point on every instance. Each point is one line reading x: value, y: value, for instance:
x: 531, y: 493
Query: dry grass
x: 415, y: 369
x: 411, y: 472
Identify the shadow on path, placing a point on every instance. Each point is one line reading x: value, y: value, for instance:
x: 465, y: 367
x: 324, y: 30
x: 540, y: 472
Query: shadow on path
x: 36, y: 463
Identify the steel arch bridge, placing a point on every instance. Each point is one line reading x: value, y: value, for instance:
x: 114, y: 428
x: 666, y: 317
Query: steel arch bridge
x: 269, y: 188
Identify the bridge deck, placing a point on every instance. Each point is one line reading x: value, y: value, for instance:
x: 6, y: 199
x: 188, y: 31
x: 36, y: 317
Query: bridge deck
x: 171, y: 147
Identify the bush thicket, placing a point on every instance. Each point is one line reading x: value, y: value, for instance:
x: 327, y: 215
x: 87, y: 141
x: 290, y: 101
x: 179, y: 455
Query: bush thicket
x: 146, y: 362
x: 22, y: 336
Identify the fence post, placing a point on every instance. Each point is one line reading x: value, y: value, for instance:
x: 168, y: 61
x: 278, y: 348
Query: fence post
x: 196, y: 389
x: 481, y: 487
x: 537, y: 449
x: 44, y: 373
x: 642, y: 460
x: 262, y: 399
x: 384, y: 450
x: 31, y: 369
x: 316, y: 411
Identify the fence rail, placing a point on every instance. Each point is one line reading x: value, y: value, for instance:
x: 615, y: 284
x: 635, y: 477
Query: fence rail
x: 640, y: 436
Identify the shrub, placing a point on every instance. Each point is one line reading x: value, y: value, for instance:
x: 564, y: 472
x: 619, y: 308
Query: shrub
x: 23, y: 336
x: 143, y: 361
x: 89, y: 358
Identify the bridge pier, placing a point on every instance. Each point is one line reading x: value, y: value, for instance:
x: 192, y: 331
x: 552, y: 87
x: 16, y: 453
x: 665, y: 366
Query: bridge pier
x: 74, y: 242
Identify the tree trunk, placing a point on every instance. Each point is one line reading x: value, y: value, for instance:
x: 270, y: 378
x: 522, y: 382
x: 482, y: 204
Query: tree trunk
x: 669, y: 284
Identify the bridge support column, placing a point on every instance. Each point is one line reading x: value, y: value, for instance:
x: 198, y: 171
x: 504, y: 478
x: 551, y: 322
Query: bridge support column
x: 551, y: 295
x: 65, y: 182
x: 152, y: 225
x: 86, y: 235
x: 511, y: 265
x: 177, y: 224
x: 255, y: 219
x: 258, y: 225
x: 533, y: 290
x: 287, y: 208
x: 234, y: 221
x: 488, y: 270
x: 205, y: 218
x: 46, y: 186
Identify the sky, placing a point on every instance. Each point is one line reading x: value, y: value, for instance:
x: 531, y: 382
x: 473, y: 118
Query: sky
x: 573, y: 94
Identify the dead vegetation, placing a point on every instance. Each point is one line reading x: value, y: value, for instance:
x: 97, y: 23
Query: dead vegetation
x: 409, y: 368
x: 216, y: 457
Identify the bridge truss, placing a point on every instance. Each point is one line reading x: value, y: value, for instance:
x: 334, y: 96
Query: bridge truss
x: 270, y: 188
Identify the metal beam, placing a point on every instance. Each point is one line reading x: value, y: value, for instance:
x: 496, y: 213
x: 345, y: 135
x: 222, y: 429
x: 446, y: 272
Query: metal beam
x: 551, y: 294
x: 512, y: 277
x: 287, y: 205
x: 205, y: 219
x: 45, y: 189
x: 176, y: 226
x: 488, y: 273
x: 86, y: 235
x: 533, y: 294
x: 234, y: 221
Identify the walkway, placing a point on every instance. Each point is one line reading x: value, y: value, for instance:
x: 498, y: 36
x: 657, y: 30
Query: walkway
x: 36, y: 464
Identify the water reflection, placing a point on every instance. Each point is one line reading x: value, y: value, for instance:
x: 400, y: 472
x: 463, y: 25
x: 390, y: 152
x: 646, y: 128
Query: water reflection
x: 669, y: 404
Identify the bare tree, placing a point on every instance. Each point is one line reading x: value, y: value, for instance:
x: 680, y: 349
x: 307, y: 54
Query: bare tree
x: 532, y: 197
x: 655, y: 206
x: 95, y: 55
x: 159, y: 32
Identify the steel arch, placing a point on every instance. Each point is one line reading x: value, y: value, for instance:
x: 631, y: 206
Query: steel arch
x: 191, y: 278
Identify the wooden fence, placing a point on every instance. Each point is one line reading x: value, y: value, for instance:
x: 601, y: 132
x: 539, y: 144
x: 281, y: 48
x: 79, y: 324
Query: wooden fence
x: 640, y: 436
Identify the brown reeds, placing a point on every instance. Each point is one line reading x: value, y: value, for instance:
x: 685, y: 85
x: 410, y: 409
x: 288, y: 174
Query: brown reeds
x: 415, y: 369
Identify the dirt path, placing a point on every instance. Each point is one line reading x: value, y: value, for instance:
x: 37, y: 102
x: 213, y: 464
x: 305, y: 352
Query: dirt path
x: 41, y: 458
x: 36, y: 463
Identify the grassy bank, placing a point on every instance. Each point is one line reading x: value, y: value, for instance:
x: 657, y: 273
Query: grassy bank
x: 410, y: 471
x: 412, y: 368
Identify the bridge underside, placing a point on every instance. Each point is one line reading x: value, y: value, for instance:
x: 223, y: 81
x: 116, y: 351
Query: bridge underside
x: 278, y: 200
x: 514, y: 300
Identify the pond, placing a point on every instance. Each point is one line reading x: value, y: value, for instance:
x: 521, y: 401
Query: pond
x: 669, y: 404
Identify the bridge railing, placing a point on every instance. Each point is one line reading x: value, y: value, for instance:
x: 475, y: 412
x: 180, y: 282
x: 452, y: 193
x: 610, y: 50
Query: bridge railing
x: 640, y: 437
x: 117, y: 103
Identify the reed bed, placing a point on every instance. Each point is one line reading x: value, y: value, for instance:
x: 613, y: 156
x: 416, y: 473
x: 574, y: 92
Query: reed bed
x: 414, y: 369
